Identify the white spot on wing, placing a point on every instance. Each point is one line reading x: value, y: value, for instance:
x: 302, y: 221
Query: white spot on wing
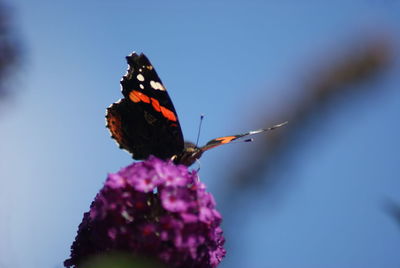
x: 256, y: 131
x: 141, y: 86
x: 157, y: 85
x: 140, y: 77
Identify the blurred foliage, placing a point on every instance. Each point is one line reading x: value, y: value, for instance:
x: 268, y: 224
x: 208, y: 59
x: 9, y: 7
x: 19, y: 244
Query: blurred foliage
x: 392, y: 208
x: 10, y: 48
x: 344, y: 75
x: 341, y: 76
x: 120, y: 260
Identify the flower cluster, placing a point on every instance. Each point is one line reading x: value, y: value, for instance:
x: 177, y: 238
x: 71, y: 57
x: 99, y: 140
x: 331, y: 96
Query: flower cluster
x: 156, y: 209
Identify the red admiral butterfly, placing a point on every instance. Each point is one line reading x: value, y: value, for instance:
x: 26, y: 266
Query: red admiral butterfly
x: 145, y: 123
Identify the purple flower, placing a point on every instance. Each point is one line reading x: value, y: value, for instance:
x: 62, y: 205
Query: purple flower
x: 153, y: 209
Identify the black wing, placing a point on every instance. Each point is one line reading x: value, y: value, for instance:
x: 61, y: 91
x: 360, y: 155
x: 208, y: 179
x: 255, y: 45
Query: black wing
x: 145, y: 121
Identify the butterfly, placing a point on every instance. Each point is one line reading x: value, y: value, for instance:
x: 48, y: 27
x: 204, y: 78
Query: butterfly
x: 144, y: 122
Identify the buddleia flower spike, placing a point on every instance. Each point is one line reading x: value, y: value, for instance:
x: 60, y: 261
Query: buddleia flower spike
x: 153, y: 209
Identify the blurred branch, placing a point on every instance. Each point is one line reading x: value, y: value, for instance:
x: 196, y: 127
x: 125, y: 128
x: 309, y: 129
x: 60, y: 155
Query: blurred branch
x: 343, y: 77
x: 392, y: 209
x: 10, y: 50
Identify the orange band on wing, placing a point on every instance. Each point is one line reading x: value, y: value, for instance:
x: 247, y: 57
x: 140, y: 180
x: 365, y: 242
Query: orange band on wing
x: 156, y: 104
x: 165, y: 112
x: 226, y: 139
x: 168, y: 114
x: 137, y: 96
x: 133, y: 97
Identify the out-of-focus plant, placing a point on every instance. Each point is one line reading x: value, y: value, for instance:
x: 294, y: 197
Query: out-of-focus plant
x: 344, y: 75
x: 341, y: 78
x: 10, y: 48
x: 153, y: 209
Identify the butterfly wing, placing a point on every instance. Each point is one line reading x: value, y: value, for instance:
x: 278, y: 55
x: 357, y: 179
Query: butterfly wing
x: 227, y: 139
x: 145, y: 121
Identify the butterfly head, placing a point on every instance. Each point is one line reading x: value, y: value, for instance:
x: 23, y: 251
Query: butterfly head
x: 189, y: 155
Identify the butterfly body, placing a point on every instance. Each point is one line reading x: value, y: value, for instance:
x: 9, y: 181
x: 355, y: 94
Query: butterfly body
x: 145, y: 122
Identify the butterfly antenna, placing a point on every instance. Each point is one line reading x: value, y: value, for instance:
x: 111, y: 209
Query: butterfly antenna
x: 198, y: 132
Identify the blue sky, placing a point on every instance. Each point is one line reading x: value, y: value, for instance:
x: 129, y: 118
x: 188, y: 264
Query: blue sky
x: 221, y: 59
